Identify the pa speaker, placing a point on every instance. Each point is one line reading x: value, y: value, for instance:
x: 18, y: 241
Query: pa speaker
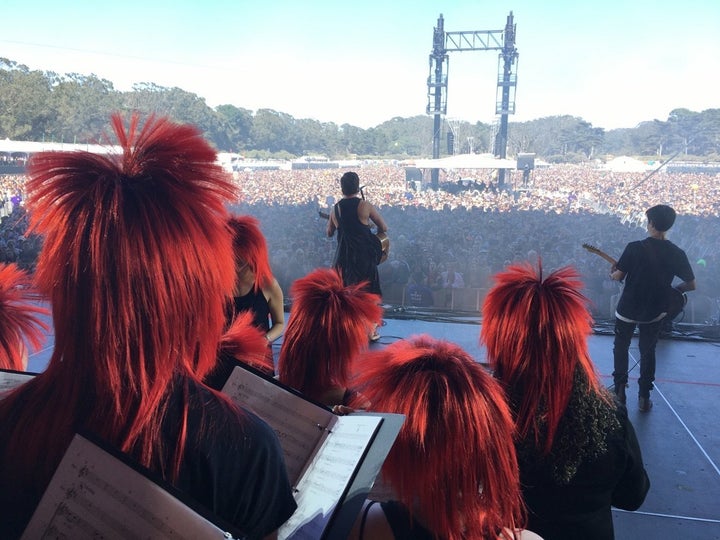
x: 525, y: 162
x: 413, y: 174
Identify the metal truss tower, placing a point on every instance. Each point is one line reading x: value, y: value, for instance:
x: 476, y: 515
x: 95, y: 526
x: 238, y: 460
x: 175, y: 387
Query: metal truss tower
x: 478, y: 40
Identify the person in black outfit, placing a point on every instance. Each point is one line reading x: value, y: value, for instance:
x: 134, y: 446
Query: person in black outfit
x: 327, y: 329
x: 648, y: 268
x: 137, y: 263
x: 452, y: 473
x: 358, y: 250
x: 577, y: 451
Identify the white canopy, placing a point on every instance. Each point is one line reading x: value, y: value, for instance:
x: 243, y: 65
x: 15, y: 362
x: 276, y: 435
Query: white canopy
x: 466, y: 161
x: 30, y: 147
x: 628, y: 164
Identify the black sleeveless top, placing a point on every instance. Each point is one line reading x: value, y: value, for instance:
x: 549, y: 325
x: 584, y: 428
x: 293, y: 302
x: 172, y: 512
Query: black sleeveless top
x: 256, y: 302
x: 398, y: 517
x: 357, y: 253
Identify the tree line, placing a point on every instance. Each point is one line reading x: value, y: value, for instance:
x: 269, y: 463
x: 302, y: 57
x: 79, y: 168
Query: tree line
x: 47, y: 106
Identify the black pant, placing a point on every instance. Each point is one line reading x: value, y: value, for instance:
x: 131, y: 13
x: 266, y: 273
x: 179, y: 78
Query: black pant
x: 648, y: 338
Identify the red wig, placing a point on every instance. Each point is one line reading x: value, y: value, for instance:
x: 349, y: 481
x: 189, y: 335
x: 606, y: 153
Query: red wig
x: 250, y: 246
x: 536, y: 333
x: 19, y: 321
x: 328, y: 327
x: 246, y: 343
x: 454, y: 460
x: 137, y: 263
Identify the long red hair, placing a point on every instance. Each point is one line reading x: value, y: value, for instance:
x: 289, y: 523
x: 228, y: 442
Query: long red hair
x: 137, y: 263
x: 250, y: 246
x: 454, y: 460
x: 328, y: 326
x: 536, y: 331
x: 20, y: 321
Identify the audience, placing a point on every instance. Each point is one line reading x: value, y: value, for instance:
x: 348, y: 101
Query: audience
x: 137, y: 259
x: 481, y: 230
x: 137, y: 263
x: 577, y: 450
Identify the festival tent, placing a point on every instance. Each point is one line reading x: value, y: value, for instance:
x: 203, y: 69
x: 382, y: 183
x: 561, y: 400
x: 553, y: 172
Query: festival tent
x: 628, y: 164
x: 29, y: 147
x: 466, y: 161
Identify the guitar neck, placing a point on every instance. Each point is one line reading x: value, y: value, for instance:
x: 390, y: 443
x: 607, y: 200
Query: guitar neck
x: 608, y: 258
x: 596, y: 251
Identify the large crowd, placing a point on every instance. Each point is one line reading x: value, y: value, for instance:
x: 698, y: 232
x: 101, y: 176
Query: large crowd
x: 473, y: 225
x: 480, y: 228
x: 139, y: 257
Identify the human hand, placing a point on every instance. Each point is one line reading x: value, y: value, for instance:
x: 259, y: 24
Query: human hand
x: 342, y: 410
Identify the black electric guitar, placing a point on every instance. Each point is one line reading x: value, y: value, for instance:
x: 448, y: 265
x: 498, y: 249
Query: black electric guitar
x: 676, y: 299
x: 382, y: 237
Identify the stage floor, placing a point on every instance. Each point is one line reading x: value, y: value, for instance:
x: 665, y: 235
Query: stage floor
x: 680, y: 437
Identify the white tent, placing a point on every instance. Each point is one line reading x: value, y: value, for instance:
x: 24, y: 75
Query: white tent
x: 466, y: 161
x: 628, y: 164
x: 30, y: 147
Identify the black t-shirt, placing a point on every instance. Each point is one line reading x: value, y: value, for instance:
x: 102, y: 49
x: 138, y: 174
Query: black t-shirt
x: 234, y: 468
x: 650, y: 265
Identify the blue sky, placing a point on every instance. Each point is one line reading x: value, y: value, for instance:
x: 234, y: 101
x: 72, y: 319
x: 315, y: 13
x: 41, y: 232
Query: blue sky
x: 612, y: 63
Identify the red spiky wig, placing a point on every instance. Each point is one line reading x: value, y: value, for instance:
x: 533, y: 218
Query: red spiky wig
x: 20, y: 321
x: 328, y: 327
x: 246, y: 343
x: 454, y: 461
x: 535, y: 331
x: 137, y: 263
x: 250, y: 246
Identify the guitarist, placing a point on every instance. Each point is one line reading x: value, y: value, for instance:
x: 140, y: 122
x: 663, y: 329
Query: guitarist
x: 358, y: 250
x: 648, y: 268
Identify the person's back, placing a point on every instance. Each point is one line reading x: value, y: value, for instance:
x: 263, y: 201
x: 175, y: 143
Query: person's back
x: 452, y: 472
x: 595, y: 464
x: 137, y: 264
x: 646, y: 303
x: 651, y: 266
x: 358, y: 251
x: 327, y: 328
x: 577, y: 451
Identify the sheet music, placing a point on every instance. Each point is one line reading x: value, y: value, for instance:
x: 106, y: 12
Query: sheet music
x: 10, y: 380
x: 298, y: 423
x: 328, y: 475
x: 94, y: 495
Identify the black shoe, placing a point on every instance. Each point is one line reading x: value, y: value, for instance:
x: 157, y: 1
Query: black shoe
x: 645, y: 404
x: 620, y: 393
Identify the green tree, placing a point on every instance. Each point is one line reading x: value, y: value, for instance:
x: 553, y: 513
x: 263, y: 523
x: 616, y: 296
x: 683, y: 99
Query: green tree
x: 684, y: 124
x: 180, y: 106
x: 239, y: 123
x: 24, y: 98
x: 270, y: 130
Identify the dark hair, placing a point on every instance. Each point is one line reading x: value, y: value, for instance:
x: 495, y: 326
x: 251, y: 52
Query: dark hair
x: 661, y: 216
x: 350, y: 183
